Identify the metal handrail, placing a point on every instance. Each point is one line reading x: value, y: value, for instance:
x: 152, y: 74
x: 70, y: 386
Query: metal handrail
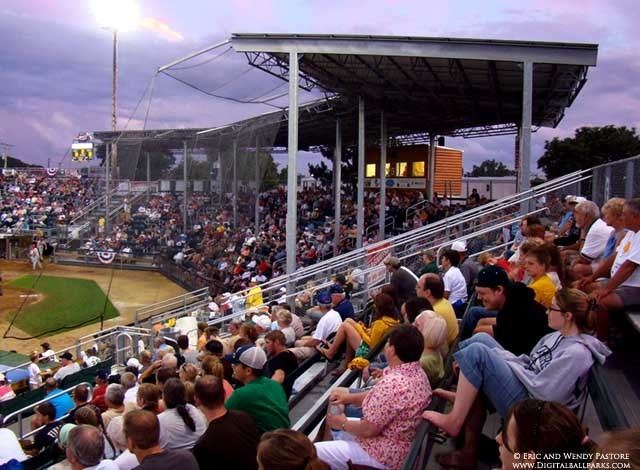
x: 416, y: 207
x: 388, y: 221
x: 183, y: 302
x: 82, y: 342
x: 21, y: 411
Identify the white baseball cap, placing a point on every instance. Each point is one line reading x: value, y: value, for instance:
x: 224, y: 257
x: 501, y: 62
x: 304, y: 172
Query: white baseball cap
x: 250, y: 356
x: 459, y: 246
x: 263, y: 321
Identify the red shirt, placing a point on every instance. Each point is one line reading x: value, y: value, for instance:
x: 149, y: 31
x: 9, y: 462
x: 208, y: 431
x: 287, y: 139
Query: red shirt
x: 98, y: 397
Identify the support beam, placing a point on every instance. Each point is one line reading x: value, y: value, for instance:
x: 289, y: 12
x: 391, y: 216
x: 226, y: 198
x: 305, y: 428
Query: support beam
x: 234, y: 184
x: 525, y: 129
x: 220, y: 188
x: 185, y: 194
x: 292, y: 195
x: 337, y: 185
x: 256, y: 216
x: 107, y: 187
x: 383, y: 176
x: 431, y: 171
x: 360, y: 189
x: 148, y: 178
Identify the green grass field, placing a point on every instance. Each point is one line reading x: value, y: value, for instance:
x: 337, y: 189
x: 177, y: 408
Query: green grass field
x: 67, y: 303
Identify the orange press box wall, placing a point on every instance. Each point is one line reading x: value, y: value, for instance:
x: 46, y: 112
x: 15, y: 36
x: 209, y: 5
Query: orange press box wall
x: 448, y: 167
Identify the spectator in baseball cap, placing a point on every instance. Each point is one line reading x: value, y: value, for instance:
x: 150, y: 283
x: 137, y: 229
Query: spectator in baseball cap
x: 520, y: 321
x: 262, y: 398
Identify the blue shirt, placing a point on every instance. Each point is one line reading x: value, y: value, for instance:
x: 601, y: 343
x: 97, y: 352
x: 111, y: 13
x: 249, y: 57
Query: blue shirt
x: 345, y: 309
x: 62, y: 403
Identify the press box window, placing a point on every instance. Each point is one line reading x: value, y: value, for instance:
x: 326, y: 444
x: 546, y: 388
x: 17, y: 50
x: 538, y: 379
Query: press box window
x: 371, y: 170
x: 417, y: 169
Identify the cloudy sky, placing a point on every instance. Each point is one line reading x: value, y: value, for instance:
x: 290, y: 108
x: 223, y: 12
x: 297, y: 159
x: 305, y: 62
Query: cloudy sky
x: 55, y: 61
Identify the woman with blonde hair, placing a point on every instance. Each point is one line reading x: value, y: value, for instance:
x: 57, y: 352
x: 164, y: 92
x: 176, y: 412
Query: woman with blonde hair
x: 434, y: 331
x: 284, y: 449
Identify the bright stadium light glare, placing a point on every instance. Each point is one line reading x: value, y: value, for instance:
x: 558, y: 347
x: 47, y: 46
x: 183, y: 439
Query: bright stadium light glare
x: 120, y: 15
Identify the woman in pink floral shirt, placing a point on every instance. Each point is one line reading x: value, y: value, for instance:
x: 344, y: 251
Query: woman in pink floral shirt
x: 392, y: 409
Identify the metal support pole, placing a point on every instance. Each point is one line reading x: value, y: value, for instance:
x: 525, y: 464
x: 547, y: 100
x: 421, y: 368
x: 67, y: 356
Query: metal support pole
x: 360, y: 189
x: 257, y: 205
x: 114, y: 102
x: 220, y: 189
x: 431, y: 172
x: 234, y: 184
x: 148, y: 178
x: 107, y: 185
x: 292, y: 173
x: 606, y: 194
x: 383, y: 176
x: 525, y: 128
x: 337, y: 186
x: 628, y: 182
x: 185, y: 194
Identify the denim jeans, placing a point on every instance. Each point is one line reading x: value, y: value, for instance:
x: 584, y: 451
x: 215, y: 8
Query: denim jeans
x: 484, y: 366
x: 471, y: 318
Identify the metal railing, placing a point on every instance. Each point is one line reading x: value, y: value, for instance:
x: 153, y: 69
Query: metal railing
x: 413, y: 209
x: 105, y: 339
x: 18, y: 414
x: 389, y: 223
x: 172, y: 308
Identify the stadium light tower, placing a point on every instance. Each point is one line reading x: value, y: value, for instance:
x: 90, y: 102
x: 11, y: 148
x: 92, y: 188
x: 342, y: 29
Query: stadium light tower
x: 116, y: 16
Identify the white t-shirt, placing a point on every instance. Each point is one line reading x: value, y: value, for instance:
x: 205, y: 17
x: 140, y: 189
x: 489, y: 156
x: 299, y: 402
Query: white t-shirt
x: 66, y: 370
x: 628, y: 250
x: 455, y: 284
x: 174, y: 434
x: 10, y: 447
x: 596, y: 241
x: 130, y: 396
x: 329, y: 323
x: 126, y: 461
x: 35, y: 380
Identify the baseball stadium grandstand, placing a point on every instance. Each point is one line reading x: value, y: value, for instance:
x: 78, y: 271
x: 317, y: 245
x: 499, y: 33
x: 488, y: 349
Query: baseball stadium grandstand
x: 209, y: 313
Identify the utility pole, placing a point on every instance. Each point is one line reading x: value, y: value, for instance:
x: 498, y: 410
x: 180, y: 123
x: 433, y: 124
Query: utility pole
x: 5, y: 150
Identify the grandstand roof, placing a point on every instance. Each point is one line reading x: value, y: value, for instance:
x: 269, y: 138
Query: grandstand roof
x: 448, y: 86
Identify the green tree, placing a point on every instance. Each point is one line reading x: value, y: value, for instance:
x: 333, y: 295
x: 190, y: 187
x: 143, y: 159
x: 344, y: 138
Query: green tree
x: 589, y: 147
x: 321, y: 172
x: 491, y: 168
x: 13, y: 162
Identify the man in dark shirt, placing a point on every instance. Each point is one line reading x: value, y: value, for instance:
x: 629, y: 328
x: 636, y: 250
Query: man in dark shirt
x: 142, y: 431
x: 402, y: 278
x: 281, y: 362
x: 45, y: 414
x: 521, y: 321
x: 232, y: 438
x: 340, y: 303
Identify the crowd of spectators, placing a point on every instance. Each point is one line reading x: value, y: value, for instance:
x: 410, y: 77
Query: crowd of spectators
x: 35, y: 201
x: 538, y: 325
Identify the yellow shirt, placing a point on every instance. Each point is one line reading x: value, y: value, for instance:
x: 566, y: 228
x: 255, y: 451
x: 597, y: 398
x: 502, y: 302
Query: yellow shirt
x: 443, y: 308
x: 373, y: 335
x: 544, y: 288
x: 254, y: 297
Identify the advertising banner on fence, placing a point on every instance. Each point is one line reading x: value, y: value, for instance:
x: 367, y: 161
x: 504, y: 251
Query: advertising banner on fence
x: 375, y: 256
